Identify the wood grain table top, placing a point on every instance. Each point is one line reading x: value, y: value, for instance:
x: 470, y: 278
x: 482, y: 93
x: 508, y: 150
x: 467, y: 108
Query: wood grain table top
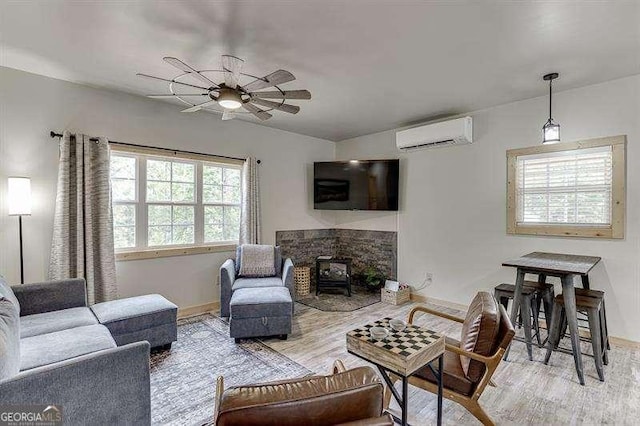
x: 402, y: 352
x: 556, y: 263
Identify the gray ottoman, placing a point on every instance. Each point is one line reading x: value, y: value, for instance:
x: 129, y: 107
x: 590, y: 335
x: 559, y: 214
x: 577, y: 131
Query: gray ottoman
x: 151, y: 317
x: 262, y: 311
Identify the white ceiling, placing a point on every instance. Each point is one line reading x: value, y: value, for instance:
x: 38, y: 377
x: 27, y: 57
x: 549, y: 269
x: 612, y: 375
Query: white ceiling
x: 370, y: 65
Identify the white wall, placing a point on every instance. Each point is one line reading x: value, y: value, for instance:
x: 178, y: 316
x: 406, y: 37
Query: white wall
x: 452, y: 215
x: 31, y: 106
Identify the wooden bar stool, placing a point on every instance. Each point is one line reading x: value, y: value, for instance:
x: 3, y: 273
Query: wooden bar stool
x: 591, y: 303
x: 533, y: 294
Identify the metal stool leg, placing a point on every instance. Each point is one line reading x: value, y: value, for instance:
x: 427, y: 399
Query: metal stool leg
x: 535, y: 310
x: 554, y: 331
x: 596, y: 340
x: 525, y: 311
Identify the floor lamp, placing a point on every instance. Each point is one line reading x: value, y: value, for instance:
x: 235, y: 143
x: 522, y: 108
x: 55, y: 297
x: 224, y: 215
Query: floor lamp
x: 19, y: 200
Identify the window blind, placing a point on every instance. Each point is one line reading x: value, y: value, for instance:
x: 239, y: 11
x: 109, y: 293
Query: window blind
x: 568, y: 187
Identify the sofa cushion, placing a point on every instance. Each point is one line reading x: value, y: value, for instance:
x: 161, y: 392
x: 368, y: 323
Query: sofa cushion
x: 479, y: 332
x: 135, y: 313
x: 48, y: 322
x: 9, y: 332
x: 50, y: 348
x: 257, y: 282
x: 453, y: 377
x: 261, y: 302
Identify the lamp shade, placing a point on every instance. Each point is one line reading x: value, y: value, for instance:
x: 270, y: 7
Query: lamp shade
x: 19, y: 196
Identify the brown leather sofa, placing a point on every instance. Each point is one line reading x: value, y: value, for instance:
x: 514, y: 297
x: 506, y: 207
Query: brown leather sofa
x: 347, y: 397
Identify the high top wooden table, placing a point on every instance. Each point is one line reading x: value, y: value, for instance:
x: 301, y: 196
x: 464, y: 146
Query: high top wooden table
x: 403, y: 353
x: 564, y: 266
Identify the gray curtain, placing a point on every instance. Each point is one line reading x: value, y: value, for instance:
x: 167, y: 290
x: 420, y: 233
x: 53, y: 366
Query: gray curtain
x: 82, y: 245
x: 250, y: 214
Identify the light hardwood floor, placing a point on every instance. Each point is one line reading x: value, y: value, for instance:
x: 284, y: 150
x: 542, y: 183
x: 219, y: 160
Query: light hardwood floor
x: 527, y: 392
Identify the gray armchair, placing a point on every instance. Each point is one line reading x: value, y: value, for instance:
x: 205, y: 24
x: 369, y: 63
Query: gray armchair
x: 230, y: 281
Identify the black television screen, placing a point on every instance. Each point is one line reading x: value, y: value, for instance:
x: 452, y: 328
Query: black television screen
x: 356, y: 185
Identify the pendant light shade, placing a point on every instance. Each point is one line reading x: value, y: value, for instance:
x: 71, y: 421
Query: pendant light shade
x: 550, y: 130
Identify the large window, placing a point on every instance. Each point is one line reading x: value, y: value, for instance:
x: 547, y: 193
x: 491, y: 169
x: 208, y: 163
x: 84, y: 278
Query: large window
x: 165, y: 204
x: 574, y: 189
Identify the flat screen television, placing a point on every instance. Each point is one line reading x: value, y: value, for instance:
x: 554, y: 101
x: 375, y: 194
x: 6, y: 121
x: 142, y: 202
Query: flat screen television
x: 356, y: 185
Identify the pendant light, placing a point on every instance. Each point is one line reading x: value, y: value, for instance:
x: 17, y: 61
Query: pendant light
x: 550, y: 130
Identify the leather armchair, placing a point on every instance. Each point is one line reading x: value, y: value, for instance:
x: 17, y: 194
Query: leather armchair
x: 347, y: 397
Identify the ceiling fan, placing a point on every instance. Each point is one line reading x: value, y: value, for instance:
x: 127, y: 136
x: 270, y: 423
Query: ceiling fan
x: 228, y: 93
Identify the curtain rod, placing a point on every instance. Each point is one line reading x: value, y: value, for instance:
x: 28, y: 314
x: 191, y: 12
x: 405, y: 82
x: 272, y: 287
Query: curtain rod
x: 59, y: 135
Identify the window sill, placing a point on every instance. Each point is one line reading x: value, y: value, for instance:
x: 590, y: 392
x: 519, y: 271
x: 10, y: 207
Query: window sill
x: 173, y: 251
x: 567, y: 231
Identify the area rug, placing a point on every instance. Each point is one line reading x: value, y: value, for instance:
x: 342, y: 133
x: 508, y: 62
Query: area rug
x: 183, y: 380
x: 336, y: 300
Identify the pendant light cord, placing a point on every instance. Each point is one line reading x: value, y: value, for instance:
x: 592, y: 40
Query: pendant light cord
x: 550, y: 95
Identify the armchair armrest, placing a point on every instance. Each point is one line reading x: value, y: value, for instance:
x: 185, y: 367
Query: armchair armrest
x: 433, y: 312
x: 227, y: 277
x: 287, y: 276
x: 106, y: 387
x: 50, y: 296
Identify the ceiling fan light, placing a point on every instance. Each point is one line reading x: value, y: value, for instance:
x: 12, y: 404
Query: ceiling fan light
x: 229, y: 99
x: 550, y: 132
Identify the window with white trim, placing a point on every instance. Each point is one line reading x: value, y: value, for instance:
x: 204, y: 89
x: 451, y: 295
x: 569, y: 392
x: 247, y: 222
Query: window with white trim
x: 574, y: 189
x: 565, y: 187
x: 163, y: 202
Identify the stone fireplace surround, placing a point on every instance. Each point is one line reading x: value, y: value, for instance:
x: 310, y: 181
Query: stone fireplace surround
x: 364, y: 248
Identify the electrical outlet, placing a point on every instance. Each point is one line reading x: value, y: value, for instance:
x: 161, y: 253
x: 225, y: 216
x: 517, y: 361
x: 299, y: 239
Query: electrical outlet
x: 428, y: 278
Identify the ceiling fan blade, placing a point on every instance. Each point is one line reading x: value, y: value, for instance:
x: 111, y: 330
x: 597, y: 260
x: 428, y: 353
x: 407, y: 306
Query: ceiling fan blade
x: 176, y: 95
x: 288, y: 94
x: 232, y: 67
x: 186, y: 68
x: 199, y: 106
x: 273, y: 79
x: 228, y: 115
x: 291, y: 109
x: 261, y: 114
x: 171, y: 81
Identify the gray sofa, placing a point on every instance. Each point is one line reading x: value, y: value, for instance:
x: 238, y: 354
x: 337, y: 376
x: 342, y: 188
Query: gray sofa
x: 54, y: 351
x: 257, y: 307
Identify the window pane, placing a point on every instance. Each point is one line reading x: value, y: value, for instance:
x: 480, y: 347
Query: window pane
x: 124, y: 237
x: 212, y: 175
x: 183, y: 215
x: 232, y: 215
x: 212, y: 194
x: 124, y: 215
x: 158, y: 170
x: 183, y: 234
x: 231, y: 232
x: 566, y: 187
x: 183, y: 192
x: 123, y: 189
x: 231, y: 194
x: 213, y: 233
x: 123, y: 167
x: 232, y: 177
x: 159, y: 215
x: 213, y: 215
x: 159, y: 235
x: 158, y: 191
x: 183, y: 172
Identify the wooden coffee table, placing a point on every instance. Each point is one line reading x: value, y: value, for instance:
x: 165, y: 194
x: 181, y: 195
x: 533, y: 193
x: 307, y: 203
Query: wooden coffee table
x: 402, y: 353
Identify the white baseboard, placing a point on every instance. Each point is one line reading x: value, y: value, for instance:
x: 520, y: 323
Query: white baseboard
x: 190, y: 311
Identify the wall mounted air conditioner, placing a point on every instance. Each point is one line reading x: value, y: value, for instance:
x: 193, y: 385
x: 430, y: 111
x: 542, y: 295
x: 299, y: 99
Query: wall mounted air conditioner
x: 445, y: 133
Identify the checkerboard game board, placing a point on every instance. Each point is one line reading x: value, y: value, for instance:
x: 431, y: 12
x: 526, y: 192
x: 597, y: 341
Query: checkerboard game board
x: 403, y: 343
